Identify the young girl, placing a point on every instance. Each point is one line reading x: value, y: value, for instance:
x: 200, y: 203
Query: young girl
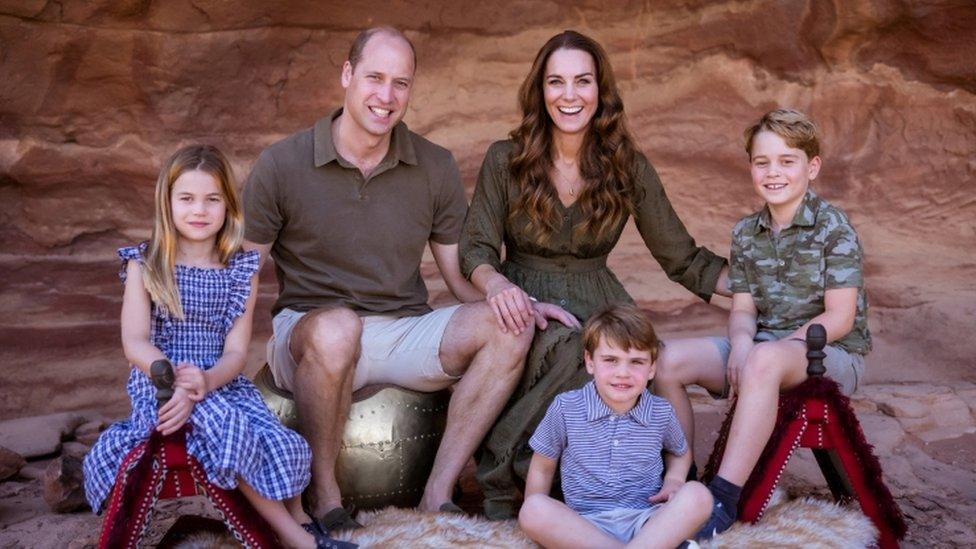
x: 189, y: 298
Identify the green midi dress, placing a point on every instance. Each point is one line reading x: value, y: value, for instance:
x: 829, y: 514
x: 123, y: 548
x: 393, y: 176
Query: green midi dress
x: 571, y: 272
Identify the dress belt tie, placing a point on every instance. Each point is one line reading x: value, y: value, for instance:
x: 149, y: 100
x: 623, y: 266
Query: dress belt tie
x: 563, y: 264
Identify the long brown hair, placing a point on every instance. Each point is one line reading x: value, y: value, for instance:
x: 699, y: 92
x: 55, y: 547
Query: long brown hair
x: 158, y: 274
x: 606, y: 158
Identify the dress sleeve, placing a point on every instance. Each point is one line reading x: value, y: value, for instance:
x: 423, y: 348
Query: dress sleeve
x: 549, y: 438
x: 130, y: 253
x: 241, y: 269
x: 484, y: 226
x: 694, y: 267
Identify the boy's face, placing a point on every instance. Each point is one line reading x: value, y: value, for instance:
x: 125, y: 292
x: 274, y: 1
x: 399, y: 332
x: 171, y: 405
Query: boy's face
x: 780, y: 173
x: 620, y: 374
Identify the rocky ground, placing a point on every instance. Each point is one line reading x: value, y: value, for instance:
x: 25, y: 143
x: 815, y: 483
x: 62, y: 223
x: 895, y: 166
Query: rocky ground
x: 923, y: 434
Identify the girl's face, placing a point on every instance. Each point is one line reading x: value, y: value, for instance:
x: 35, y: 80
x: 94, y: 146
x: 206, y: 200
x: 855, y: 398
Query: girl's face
x: 198, y: 206
x: 570, y: 89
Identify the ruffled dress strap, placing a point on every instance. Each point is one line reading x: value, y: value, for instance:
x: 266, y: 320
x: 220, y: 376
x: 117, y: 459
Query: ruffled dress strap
x: 131, y: 253
x: 241, y: 268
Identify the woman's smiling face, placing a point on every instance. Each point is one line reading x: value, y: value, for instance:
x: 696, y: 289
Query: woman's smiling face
x: 570, y: 90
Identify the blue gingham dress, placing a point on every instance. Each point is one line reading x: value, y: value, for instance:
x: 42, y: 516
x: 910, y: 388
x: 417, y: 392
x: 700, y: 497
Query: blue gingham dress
x: 234, y: 434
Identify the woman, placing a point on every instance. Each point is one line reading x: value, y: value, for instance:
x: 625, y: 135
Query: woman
x: 558, y: 194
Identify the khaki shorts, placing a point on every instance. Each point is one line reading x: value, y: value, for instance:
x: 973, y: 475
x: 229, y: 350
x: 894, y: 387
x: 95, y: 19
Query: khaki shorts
x: 402, y: 351
x: 842, y: 366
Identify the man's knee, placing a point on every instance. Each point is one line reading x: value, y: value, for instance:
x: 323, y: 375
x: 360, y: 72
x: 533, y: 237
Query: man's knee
x: 329, y: 340
x: 486, y: 323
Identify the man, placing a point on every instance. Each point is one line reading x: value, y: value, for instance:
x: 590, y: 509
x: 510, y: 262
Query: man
x: 346, y: 209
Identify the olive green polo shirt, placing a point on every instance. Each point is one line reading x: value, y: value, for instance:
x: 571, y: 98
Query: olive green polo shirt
x: 341, y: 239
x: 789, y: 273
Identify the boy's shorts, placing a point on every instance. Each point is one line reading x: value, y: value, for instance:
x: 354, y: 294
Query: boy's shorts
x: 403, y: 351
x: 621, y: 523
x: 844, y: 367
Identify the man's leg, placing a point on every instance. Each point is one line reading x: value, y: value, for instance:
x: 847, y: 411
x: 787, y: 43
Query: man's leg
x: 684, y: 362
x: 325, y: 343
x: 678, y: 520
x: 551, y: 523
x: 491, y: 363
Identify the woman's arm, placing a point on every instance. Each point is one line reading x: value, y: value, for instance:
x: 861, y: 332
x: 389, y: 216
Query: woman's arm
x: 694, y: 267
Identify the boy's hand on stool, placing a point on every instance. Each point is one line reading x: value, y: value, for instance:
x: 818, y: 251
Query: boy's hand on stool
x: 191, y: 379
x: 670, y: 486
x: 174, y: 413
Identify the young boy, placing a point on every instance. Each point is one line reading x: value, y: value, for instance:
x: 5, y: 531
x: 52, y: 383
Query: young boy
x: 795, y: 262
x: 607, y: 438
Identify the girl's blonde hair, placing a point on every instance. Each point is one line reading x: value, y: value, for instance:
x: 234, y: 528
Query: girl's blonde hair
x: 158, y: 274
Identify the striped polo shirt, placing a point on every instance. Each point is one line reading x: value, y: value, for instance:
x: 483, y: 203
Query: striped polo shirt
x: 608, y: 461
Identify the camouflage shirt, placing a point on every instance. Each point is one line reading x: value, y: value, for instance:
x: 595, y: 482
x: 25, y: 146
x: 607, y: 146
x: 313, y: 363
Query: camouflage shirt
x: 787, y: 274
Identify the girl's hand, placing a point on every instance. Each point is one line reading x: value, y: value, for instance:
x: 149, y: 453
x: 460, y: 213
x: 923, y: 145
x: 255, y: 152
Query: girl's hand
x: 545, y: 311
x: 191, y: 378
x: 174, y: 413
x: 512, y: 306
x: 668, y: 489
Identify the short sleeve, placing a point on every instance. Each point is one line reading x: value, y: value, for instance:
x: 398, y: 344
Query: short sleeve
x: 484, y: 227
x: 843, y: 257
x: 738, y: 281
x: 674, y: 440
x: 549, y: 438
x: 694, y: 267
x: 241, y: 269
x: 131, y: 253
x: 450, y: 205
x: 262, y: 213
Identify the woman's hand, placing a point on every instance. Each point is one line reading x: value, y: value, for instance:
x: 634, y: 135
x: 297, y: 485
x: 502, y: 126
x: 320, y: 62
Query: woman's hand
x: 174, y: 413
x: 192, y: 379
x: 548, y: 311
x: 512, y: 306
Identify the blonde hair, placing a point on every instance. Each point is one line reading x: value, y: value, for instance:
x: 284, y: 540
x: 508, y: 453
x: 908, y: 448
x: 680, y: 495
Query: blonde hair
x: 624, y: 327
x: 796, y: 129
x: 159, y: 265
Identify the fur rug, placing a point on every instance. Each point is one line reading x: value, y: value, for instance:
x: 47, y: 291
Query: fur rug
x: 806, y: 523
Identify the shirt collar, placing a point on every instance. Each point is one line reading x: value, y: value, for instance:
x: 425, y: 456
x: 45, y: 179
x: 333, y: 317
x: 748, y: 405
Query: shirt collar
x: 805, y: 216
x: 596, y: 409
x: 323, y: 147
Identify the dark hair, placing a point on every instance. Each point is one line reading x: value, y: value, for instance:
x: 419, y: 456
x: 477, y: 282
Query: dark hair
x: 624, y: 327
x: 606, y: 159
x: 796, y: 129
x: 356, y: 50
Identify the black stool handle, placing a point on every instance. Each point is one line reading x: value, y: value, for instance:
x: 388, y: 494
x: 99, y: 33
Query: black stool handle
x: 816, y: 341
x: 163, y: 377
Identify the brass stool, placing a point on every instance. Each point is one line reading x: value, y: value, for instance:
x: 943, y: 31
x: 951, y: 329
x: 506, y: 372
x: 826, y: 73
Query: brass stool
x: 388, y: 445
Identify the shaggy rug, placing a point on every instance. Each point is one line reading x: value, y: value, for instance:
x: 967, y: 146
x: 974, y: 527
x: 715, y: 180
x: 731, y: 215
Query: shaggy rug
x: 806, y: 523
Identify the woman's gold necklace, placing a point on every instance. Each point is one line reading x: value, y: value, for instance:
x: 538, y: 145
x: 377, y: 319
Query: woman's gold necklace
x: 572, y: 187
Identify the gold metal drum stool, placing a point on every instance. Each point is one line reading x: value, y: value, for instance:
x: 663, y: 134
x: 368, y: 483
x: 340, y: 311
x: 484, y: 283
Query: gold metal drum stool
x: 388, y: 445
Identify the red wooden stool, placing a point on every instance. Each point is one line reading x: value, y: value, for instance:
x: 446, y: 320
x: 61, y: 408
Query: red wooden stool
x: 816, y: 415
x: 160, y: 468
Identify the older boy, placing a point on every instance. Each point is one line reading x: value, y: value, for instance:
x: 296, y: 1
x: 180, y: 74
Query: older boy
x: 795, y: 262
x: 607, y: 438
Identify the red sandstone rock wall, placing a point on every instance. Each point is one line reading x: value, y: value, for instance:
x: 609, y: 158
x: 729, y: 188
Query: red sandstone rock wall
x: 93, y: 95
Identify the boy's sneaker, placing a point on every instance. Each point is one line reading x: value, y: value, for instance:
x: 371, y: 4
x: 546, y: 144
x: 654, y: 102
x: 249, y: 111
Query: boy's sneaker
x: 720, y: 520
x: 689, y: 544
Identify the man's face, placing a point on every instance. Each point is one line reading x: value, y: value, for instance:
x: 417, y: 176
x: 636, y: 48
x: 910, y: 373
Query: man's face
x: 378, y: 88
